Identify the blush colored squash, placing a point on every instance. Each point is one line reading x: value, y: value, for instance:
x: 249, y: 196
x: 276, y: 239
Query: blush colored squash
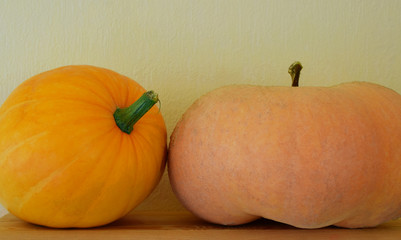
x: 68, y: 154
x: 305, y: 156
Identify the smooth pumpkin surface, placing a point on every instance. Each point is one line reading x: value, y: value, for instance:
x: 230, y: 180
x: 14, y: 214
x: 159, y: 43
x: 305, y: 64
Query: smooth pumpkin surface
x: 63, y: 160
x: 306, y: 156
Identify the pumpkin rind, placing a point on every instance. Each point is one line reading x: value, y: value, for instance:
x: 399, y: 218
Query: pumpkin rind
x: 63, y: 160
x: 306, y: 156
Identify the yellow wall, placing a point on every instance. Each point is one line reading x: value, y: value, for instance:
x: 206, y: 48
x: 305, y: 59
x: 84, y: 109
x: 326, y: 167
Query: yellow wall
x: 182, y: 49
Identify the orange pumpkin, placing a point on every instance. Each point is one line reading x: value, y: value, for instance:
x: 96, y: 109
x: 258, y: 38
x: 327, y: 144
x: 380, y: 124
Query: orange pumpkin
x: 68, y: 157
x: 306, y: 156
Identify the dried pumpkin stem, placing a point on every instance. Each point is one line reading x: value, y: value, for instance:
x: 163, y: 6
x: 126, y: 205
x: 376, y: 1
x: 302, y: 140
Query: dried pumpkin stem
x: 126, y: 117
x: 295, y: 70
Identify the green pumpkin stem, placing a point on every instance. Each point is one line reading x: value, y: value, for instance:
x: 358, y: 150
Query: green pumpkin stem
x: 126, y: 117
x: 295, y: 70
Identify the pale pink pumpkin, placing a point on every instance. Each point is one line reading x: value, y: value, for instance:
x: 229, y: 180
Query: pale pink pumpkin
x: 306, y: 156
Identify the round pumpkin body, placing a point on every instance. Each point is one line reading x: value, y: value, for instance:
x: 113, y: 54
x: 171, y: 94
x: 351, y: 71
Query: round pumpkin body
x: 305, y: 156
x: 63, y: 160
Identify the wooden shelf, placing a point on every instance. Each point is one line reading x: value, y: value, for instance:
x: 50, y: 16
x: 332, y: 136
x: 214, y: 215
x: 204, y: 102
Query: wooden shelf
x: 183, y: 225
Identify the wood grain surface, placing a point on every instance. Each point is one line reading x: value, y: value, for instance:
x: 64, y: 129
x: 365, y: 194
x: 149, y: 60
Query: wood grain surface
x: 183, y: 225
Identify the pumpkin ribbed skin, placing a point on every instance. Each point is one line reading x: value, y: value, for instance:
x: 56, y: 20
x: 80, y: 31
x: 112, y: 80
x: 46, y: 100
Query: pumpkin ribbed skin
x: 63, y: 160
x: 308, y: 156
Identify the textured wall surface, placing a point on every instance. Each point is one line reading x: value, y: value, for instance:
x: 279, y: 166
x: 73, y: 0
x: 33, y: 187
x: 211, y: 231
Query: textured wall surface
x: 183, y: 49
